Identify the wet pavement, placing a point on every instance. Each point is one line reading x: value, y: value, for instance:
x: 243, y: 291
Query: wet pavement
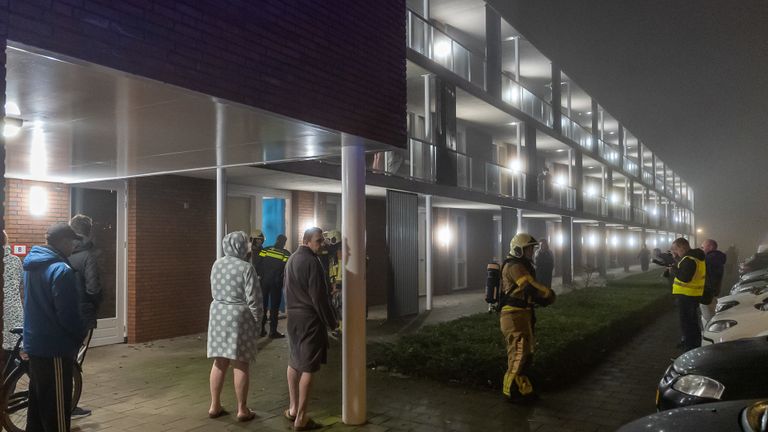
x: 163, y: 386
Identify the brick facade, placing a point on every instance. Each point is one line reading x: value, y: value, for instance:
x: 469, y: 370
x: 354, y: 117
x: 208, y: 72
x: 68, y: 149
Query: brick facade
x: 171, y: 238
x: 338, y: 64
x: 20, y: 225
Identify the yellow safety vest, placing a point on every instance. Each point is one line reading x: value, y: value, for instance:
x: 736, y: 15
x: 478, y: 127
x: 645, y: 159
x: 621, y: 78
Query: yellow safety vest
x: 694, y: 288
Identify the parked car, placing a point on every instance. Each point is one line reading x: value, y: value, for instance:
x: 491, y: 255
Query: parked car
x: 738, y: 316
x: 757, y: 261
x: 740, y: 415
x: 718, y: 372
x: 747, y: 286
x: 761, y: 274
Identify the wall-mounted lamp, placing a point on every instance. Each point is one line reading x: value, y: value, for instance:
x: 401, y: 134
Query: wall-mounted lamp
x: 38, y: 201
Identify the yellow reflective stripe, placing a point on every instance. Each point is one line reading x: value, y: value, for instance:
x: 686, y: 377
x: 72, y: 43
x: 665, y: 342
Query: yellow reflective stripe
x: 694, y: 288
x: 523, y: 280
x: 512, y: 309
x: 272, y: 254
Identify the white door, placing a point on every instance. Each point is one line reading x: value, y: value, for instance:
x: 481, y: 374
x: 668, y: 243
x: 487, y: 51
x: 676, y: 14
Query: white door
x: 106, y: 204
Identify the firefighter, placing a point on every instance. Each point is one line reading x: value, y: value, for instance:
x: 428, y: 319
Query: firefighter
x: 335, y: 267
x: 520, y: 293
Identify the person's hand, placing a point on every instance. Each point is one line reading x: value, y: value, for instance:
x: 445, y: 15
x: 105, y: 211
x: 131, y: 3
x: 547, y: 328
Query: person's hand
x: 24, y: 356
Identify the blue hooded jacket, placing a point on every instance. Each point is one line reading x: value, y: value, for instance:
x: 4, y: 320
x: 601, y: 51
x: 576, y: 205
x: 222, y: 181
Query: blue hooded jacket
x: 52, y: 323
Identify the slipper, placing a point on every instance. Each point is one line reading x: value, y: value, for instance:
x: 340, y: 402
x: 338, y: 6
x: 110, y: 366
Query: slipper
x: 288, y: 416
x: 310, y: 425
x: 222, y: 412
x: 248, y: 417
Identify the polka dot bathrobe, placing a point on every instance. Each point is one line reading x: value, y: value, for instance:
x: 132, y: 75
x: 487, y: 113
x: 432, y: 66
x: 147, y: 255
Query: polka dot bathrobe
x: 236, y: 309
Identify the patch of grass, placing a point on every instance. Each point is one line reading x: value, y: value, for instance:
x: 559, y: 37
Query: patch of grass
x: 571, y: 335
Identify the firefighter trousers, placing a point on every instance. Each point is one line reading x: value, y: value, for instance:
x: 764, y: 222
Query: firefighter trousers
x: 517, y: 328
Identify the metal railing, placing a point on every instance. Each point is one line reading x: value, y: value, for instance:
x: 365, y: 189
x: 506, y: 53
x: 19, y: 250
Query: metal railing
x: 424, y: 38
x: 595, y: 205
x: 647, y: 177
x: 620, y: 211
x: 576, y: 132
x: 631, y: 167
x: 521, y: 98
x: 608, y: 152
x: 503, y: 181
x: 639, y: 216
x: 559, y: 196
x: 418, y: 161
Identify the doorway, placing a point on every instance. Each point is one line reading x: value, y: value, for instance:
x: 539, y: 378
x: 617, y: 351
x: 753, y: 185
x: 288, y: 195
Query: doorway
x: 105, y: 205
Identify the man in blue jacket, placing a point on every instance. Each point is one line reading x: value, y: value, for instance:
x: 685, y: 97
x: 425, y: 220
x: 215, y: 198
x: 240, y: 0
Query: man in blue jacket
x: 53, y: 330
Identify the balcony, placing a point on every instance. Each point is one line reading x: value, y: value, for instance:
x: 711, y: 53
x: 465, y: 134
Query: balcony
x: 639, y: 216
x: 620, y: 211
x: 559, y: 196
x: 648, y: 177
x: 434, y: 44
x: 630, y: 167
x: 576, y: 133
x: 417, y: 162
x: 521, y: 98
x: 659, y: 184
x: 608, y: 152
x: 504, y: 181
x: 595, y: 205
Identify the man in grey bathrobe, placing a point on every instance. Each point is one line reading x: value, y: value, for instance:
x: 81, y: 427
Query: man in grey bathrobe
x: 310, y: 316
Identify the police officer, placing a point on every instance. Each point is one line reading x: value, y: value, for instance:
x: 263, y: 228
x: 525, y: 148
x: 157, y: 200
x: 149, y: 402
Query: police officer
x: 520, y: 292
x: 272, y: 265
x: 688, y: 286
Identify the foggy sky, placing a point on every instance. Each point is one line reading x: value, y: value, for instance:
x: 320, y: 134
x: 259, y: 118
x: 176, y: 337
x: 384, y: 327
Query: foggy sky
x: 689, y: 78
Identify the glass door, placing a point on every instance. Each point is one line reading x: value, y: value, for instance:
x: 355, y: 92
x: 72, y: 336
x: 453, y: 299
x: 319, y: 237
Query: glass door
x: 105, y: 205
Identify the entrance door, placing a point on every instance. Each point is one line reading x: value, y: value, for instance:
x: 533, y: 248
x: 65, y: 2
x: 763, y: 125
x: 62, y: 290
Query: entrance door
x: 105, y: 206
x: 422, y: 252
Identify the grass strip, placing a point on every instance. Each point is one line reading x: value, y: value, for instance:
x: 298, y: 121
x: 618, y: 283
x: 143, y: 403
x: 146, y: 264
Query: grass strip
x: 571, y: 335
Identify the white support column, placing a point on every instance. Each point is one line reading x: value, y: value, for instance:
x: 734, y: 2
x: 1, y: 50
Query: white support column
x: 353, y: 411
x: 428, y: 251
x: 221, y: 209
x: 221, y: 182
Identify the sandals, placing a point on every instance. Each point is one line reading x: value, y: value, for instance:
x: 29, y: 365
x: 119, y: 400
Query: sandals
x: 310, y: 425
x: 222, y: 412
x: 248, y: 417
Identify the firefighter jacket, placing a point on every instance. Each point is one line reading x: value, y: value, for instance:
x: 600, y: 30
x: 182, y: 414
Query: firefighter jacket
x: 520, y: 290
x: 690, y: 274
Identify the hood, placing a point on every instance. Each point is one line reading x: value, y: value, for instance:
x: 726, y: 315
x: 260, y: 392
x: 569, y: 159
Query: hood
x: 235, y: 244
x: 40, y: 256
x: 716, y: 257
x: 713, y: 360
x: 696, y: 253
x: 81, y: 245
x: 7, y: 251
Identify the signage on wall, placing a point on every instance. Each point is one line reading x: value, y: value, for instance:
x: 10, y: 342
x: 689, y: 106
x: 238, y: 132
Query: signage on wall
x: 19, y: 249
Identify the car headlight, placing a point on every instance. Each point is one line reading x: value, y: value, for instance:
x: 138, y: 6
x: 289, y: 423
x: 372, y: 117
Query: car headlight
x: 721, y: 325
x: 725, y: 306
x: 760, y: 290
x: 700, y: 386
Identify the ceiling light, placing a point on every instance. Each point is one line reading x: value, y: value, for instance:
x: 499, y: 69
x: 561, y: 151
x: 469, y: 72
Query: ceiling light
x: 589, y: 112
x: 515, y: 165
x: 11, y: 109
x: 560, y: 150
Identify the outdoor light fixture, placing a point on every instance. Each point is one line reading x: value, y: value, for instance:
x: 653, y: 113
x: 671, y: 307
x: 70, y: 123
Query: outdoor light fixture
x: 615, y: 198
x: 444, y: 235
x: 559, y: 239
x: 631, y: 242
x: 591, y: 191
x: 699, y: 230
x: 515, y: 165
x: 13, y: 121
x: 38, y: 201
x: 442, y: 49
x: 593, y: 240
x: 560, y: 150
x: 614, y: 241
x: 560, y: 181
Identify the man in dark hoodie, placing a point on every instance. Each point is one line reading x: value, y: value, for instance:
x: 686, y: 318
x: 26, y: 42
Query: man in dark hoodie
x: 688, y: 286
x: 84, y: 260
x: 53, y: 330
x: 715, y: 261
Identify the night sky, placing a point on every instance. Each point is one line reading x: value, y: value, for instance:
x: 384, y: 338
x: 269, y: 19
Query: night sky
x: 690, y: 78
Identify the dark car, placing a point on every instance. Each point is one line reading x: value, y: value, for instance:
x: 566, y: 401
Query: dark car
x: 741, y: 415
x: 719, y: 372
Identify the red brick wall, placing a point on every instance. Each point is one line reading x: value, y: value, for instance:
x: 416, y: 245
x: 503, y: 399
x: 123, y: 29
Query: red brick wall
x: 171, y: 238
x: 20, y: 225
x: 304, y: 211
x: 336, y: 63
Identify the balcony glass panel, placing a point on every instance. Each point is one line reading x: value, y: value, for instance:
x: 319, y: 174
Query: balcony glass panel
x: 648, y: 177
x: 608, y: 152
x: 503, y: 181
x: 559, y: 196
x: 521, y: 98
x: 595, y: 205
x: 576, y: 132
x: 438, y: 46
x: 630, y: 167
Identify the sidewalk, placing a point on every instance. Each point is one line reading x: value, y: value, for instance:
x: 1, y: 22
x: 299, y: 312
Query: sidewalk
x: 163, y: 386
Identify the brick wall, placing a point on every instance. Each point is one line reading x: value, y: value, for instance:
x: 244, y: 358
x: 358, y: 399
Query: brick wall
x: 304, y: 211
x: 171, y: 237
x: 20, y: 225
x: 337, y: 63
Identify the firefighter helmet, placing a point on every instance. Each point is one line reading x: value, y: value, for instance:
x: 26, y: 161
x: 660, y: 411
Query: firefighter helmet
x: 257, y: 234
x: 333, y: 237
x: 519, y: 242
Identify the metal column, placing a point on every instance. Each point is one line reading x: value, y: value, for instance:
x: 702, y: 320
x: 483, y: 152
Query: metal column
x: 221, y: 182
x: 428, y: 251
x: 353, y: 411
